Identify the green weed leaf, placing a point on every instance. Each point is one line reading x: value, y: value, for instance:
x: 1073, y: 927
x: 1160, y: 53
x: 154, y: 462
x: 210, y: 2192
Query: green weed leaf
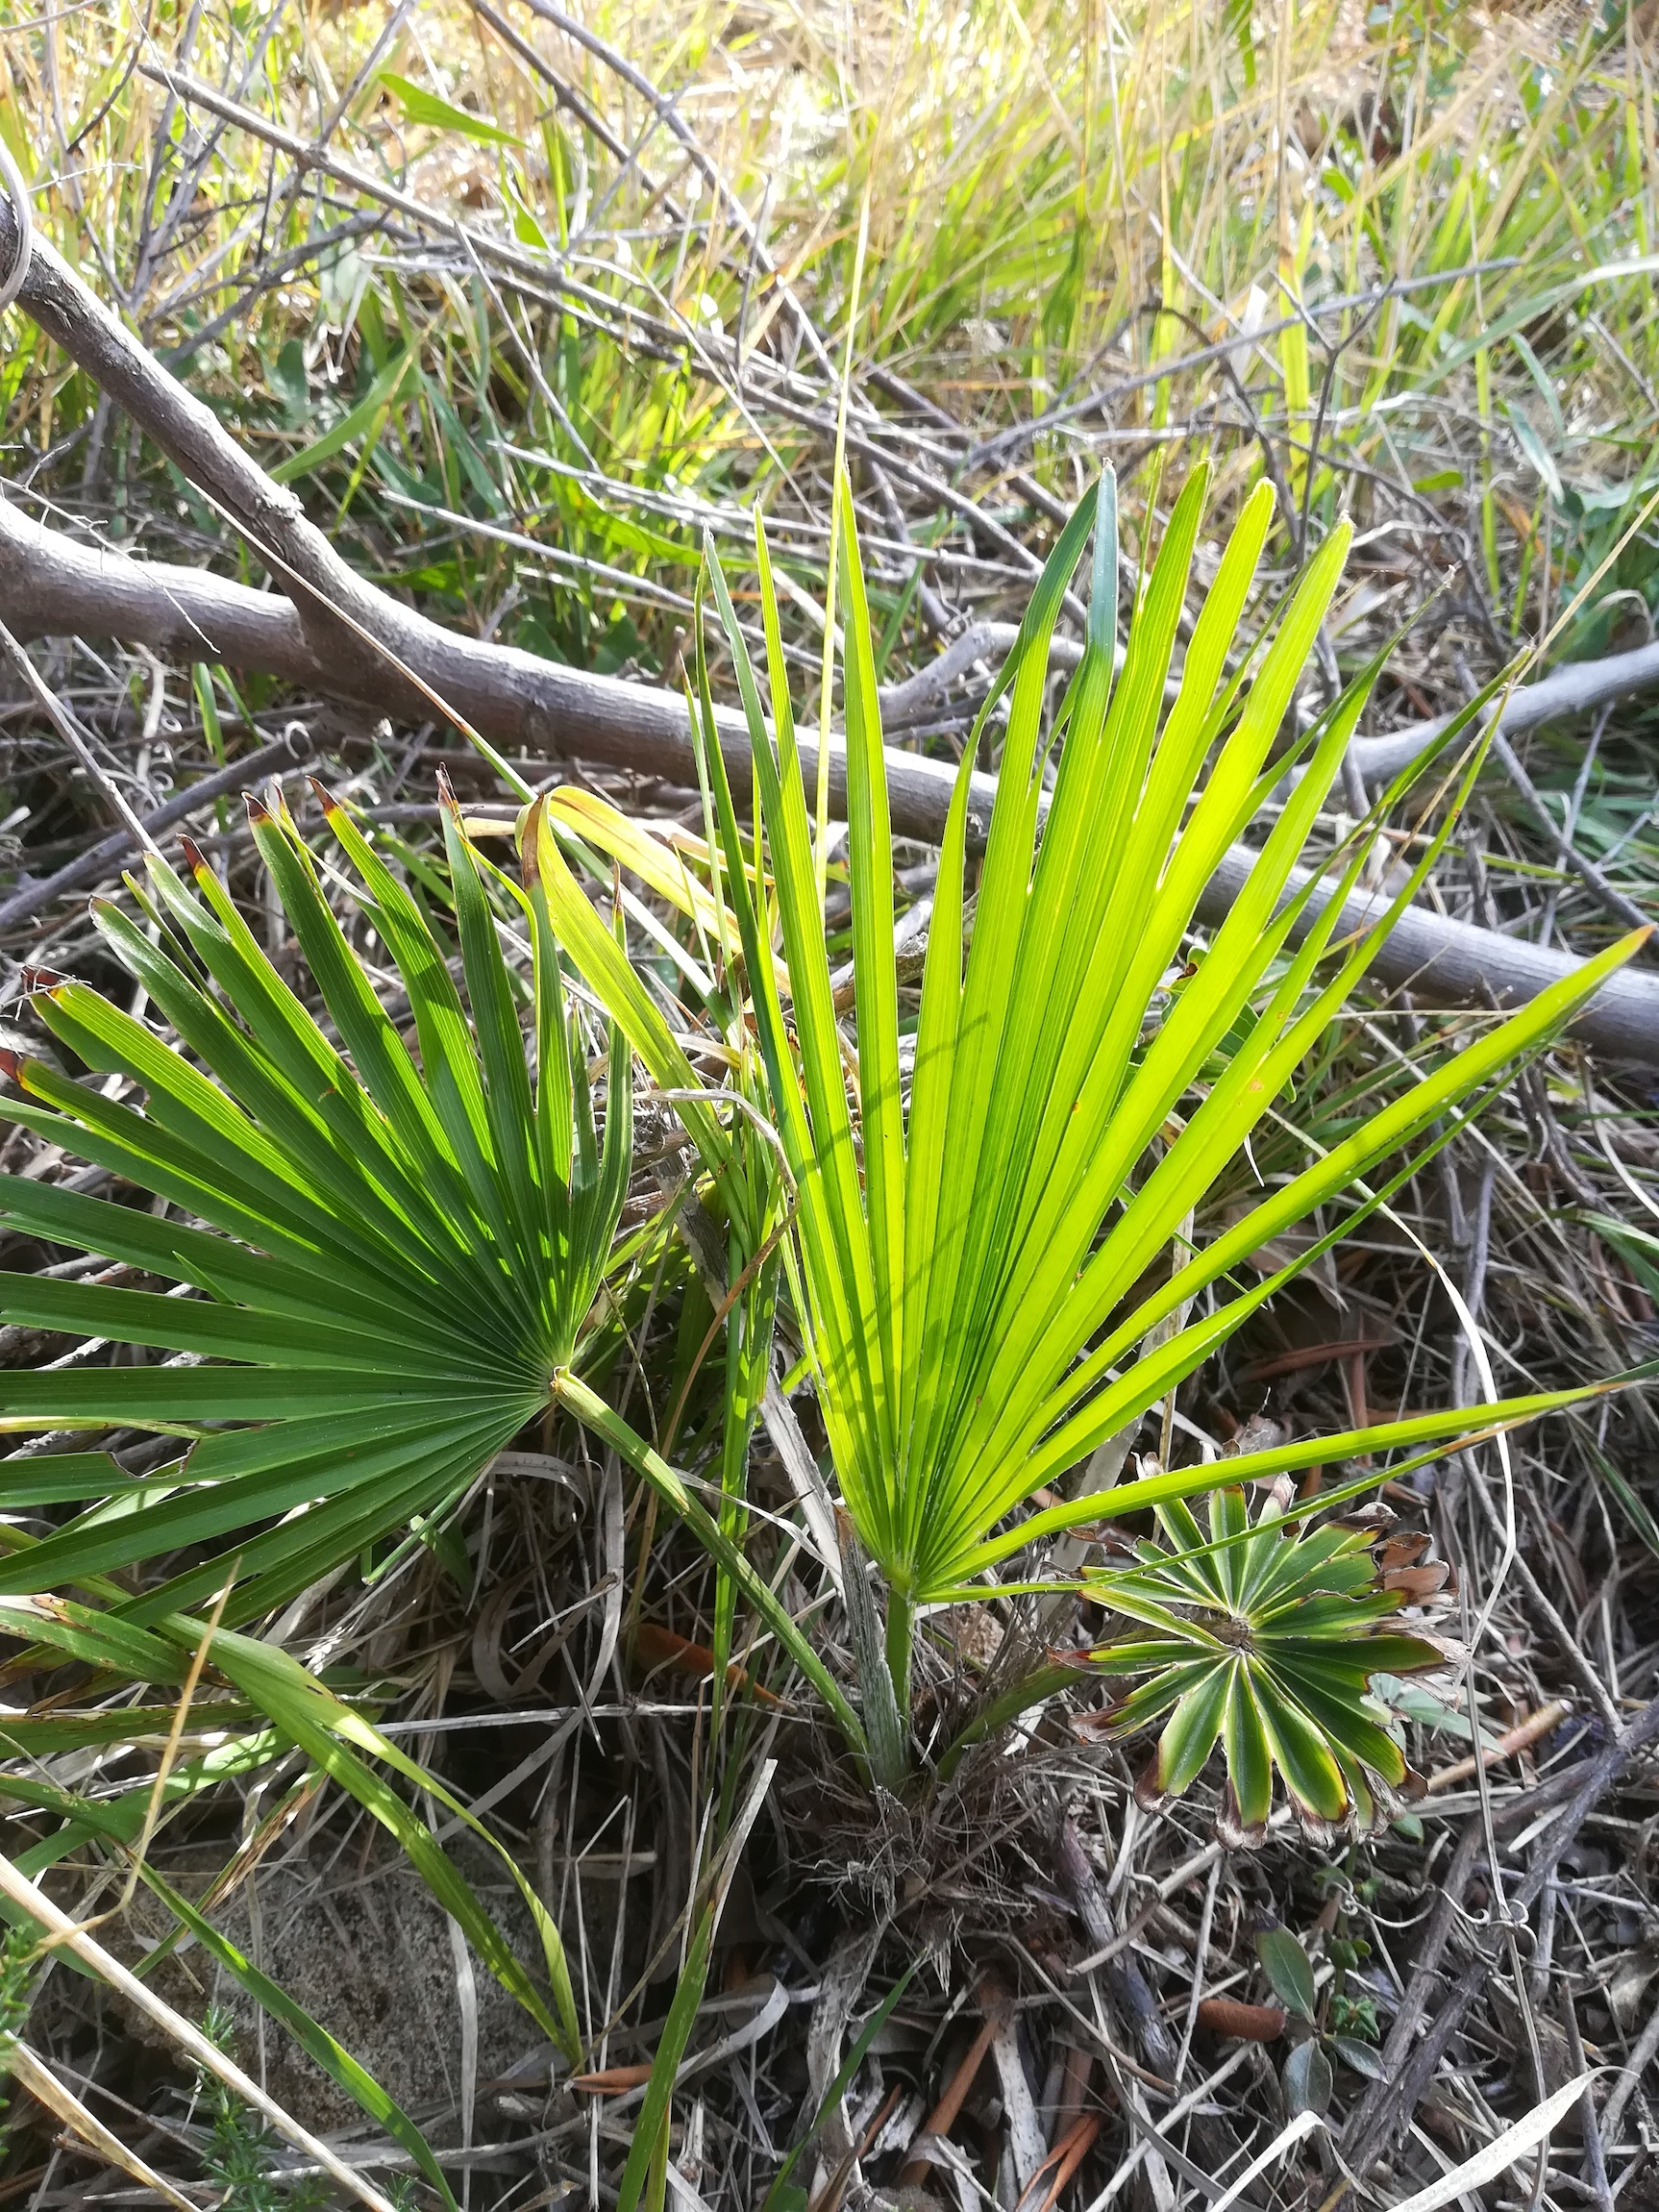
x: 1286, y: 1965
x: 1309, y: 2080
x: 439, y: 115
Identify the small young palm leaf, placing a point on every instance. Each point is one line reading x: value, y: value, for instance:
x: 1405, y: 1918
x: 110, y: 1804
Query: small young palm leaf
x: 1264, y: 1636
x: 402, y: 1246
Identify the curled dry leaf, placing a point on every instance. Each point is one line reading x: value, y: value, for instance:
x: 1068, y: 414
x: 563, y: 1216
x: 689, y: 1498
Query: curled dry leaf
x: 1244, y: 2023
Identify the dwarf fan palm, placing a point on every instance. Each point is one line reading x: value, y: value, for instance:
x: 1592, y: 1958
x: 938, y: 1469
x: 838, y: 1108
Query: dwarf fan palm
x: 976, y: 1234
x: 403, y: 1252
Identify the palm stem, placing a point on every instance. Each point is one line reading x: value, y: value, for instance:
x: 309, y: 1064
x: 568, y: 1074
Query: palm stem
x: 901, y: 1637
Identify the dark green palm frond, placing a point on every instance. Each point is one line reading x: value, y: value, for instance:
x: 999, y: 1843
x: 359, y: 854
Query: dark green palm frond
x: 403, y: 1240
x: 1263, y: 1635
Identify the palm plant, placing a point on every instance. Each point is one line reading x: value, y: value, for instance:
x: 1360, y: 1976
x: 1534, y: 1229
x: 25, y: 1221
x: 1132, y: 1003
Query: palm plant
x: 400, y: 1255
x: 401, y: 1266
x: 1263, y: 1635
x: 975, y: 1233
x: 404, y: 1248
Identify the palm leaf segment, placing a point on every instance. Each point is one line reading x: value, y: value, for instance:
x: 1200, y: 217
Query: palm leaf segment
x: 950, y: 1227
x: 402, y: 1246
x: 1263, y: 1635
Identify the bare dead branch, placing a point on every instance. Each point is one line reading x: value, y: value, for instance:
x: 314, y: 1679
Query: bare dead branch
x: 51, y: 587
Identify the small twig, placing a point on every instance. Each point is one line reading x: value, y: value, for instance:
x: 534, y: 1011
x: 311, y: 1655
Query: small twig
x: 1020, y: 434
x: 1607, y: 895
x: 71, y: 733
x: 288, y: 751
x: 1131, y: 1992
x: 994, y: 2000
x: 1630, y: 2076
x: 1411, y: 2070
x: 1529, y: 1731
x: 1594, y: 2154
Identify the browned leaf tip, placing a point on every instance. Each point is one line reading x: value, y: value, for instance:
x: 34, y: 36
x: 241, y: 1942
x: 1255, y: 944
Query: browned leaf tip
x: 613, y: 2080
x: 1150, y: 1792
x: 656, y: 1646
x: 1231, y: 1829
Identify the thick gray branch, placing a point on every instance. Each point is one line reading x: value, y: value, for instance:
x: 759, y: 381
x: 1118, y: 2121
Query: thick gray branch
x: 1569, y: 691
x: 51, y: 587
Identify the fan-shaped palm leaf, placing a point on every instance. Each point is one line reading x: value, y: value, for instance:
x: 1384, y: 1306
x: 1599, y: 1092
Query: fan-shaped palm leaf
x: 976, y: 1230
x: 402, y: 1250
x: 401, y: 1245
x: 970, y: 1234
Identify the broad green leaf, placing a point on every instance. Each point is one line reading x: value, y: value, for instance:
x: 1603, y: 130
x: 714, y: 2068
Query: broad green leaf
x: 1308, y: 2081
x: 966, y: 1253
x: 1250, y: 1764
x: 1286, y: 1965
x: 423, y: 107
x: 1272, y: 1632
x: 1190, y: 1734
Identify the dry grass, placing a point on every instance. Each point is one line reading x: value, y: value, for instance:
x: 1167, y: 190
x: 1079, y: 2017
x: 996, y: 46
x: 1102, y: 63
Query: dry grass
x: 1068, y: 209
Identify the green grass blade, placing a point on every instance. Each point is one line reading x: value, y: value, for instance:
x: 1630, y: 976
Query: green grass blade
x: 592, y: 1410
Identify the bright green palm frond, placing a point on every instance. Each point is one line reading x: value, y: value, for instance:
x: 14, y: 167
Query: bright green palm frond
x: 401, y: 1249
x: 954, y: 1268
x: 1267, y: 1635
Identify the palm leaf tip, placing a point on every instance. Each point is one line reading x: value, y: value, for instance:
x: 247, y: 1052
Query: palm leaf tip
x: 1266, y: 1639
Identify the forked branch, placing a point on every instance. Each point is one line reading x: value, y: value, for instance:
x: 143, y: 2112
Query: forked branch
x: 50, y: 586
